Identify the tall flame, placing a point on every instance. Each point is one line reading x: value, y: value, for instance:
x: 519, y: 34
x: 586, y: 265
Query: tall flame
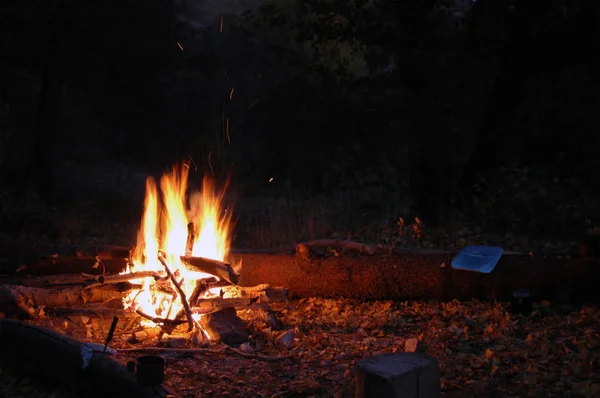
x: 165, y: 228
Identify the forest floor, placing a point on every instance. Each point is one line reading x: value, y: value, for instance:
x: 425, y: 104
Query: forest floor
x: 483, y: 350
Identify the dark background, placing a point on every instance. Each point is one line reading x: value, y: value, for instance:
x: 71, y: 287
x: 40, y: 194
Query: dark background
x: 482, y: 114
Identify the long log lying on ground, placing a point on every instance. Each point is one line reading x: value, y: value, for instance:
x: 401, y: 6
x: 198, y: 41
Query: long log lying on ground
x: 53, y: 356
x: 409, y: 275
x: 419, y: 275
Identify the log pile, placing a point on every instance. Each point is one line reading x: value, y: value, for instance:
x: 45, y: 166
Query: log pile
x: 97, y: 293
x: 77, y: 298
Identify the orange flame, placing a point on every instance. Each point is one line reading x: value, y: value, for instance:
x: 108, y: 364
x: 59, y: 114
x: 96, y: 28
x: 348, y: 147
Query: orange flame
x: 165, y: 228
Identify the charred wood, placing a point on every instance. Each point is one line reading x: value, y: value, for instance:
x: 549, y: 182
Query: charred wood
x: 219, y: 269
x: 182, y: 295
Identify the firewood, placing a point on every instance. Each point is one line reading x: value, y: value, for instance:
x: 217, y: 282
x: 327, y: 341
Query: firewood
x: 264, y: 292
x: 57, y: 357
x: 345, y: 246
x: 217, y: 268
x: 182, y: 296
x: 144, y: 335
x: 189, y: 244
x: 209, y: 306
x: 398, y: 375
x: 132, y: 276
x: 23, y: 299
x: 202, y: 285
x: 96, y: 309
x: 72, y: 264
x: 50, y: 280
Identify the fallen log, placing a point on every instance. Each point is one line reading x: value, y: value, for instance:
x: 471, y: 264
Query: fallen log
x: 53, y: 356
x: 217, y: 268
x: 420, y: 275
x: 21, y: 300
x: 412, y: 275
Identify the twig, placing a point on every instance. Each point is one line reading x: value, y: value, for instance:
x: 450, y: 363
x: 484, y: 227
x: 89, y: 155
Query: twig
x: 161, y: 350
x: 186, y: 306
x: 261, y: 357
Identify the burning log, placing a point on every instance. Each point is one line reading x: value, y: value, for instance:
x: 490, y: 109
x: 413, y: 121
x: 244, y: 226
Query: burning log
x: 123, y: 277
x: 99, y: 310
x: 23, y: 299
x: 264, y: 292
x: 217, y: 268
x: 209, y: 306
x: 57, y: 357
x: 189, y: 245
x: 182, y: 296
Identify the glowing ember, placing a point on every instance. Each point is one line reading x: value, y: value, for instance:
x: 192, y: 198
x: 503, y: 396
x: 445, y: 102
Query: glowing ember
x: 165, y: 228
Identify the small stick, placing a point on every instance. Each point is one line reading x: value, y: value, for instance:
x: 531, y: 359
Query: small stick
x: 160, y: 350
x: 111, y: 332
x: 186, y: 306
x: 164, y: 350
x: 265, y: 358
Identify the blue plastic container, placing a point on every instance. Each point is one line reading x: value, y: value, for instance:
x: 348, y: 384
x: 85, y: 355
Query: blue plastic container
x: 478, y: 258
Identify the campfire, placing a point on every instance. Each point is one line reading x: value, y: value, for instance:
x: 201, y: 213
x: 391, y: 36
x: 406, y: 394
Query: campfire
x: 176, y: 280
x: 178, y: 268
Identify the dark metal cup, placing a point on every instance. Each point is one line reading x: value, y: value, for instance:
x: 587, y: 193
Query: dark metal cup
x: 150, y: 369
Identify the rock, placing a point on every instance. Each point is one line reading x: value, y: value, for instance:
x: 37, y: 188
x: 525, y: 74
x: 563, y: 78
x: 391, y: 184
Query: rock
x: 414, y: 345
x: 225, y: 326
x: 285, y: 339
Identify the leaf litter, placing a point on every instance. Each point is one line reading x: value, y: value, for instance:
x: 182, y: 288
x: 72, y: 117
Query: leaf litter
x: 483, y: 349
